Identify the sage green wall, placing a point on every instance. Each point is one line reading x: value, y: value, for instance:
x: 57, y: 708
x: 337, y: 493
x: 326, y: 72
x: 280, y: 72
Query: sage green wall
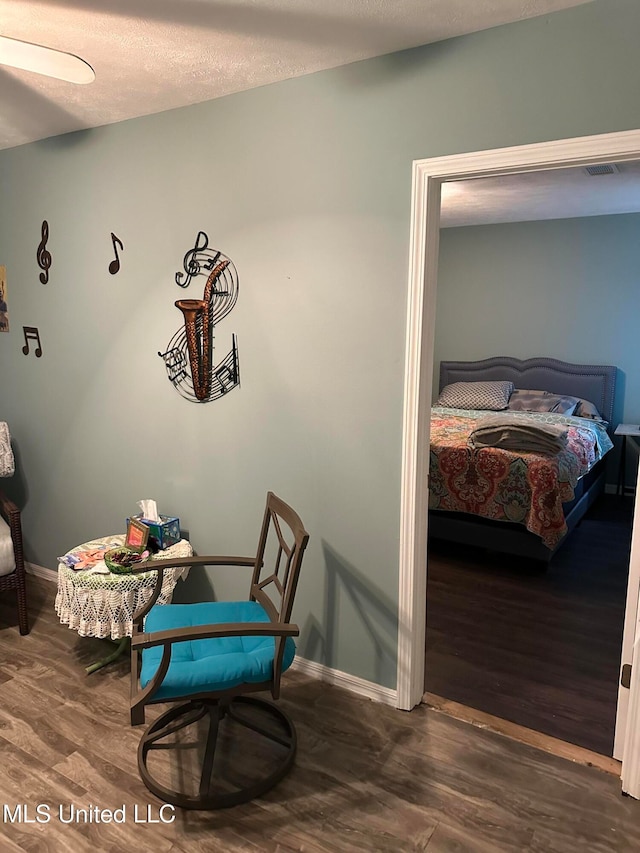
x: 306, y: 186
x: 564, y: 288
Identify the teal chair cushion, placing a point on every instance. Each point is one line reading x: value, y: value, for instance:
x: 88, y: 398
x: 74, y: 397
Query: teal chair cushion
x: 212, y: 665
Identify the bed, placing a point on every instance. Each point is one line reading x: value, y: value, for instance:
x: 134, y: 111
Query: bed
x: 520, y: 503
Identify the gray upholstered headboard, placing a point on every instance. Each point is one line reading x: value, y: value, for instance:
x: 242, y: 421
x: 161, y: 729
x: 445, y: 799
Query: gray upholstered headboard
x: 594, y: 382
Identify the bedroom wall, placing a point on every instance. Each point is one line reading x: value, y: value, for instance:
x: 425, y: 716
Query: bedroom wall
x: 564, y: 288
x: 306, y: 186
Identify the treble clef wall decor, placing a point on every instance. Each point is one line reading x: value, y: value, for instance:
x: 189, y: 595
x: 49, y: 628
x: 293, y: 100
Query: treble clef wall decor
x: 44, y: 256
x: 189, y: 356
x: 195, y: 258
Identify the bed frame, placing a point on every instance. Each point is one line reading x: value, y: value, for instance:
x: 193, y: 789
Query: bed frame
x: 594, y: 382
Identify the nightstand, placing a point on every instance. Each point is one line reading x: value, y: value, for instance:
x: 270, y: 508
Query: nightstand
x: 626, y: 431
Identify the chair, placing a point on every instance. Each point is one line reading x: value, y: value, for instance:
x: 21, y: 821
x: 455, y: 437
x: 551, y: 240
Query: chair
x: 209, y: 656
x: 12, y: 575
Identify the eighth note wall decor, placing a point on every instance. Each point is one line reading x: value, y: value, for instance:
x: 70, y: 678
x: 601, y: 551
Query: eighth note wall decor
x: 189, y: 356
x: 31, y: 333
x: 114, y: 266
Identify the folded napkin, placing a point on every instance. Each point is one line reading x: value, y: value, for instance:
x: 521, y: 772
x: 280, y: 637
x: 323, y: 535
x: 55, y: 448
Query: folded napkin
x: 508, y: 434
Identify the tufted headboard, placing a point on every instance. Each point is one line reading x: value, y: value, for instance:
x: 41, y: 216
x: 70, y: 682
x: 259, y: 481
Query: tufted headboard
x: 594, y: 382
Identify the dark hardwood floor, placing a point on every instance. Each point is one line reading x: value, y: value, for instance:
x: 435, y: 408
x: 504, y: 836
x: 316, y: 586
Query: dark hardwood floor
x: 538, y: 648
x: 367, y: 777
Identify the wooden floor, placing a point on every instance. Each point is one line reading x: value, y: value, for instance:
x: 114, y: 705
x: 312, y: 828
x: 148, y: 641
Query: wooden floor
x: 538, y: 648
x: 367, y: 777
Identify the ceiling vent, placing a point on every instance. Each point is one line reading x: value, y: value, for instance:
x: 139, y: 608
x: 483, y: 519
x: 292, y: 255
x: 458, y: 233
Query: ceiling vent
x: 602, y: 169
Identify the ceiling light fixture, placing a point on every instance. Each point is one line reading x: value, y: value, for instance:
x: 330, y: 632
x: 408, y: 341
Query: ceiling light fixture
x: 45, y: 60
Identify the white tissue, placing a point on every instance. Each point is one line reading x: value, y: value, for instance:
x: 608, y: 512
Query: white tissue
x: 149, y: 510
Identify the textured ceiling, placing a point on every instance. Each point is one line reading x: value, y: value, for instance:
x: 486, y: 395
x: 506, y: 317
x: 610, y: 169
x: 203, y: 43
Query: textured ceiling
x: 553, y: 194
x: 153, y: 55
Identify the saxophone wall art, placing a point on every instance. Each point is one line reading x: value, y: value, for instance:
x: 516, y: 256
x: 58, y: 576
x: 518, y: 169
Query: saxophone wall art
x: 189, y: 356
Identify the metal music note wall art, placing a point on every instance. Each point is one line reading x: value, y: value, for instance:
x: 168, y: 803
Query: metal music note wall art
x: 43, y: 255
x: 31, y: 333
x: 189, y: 356
x: 114, y: 266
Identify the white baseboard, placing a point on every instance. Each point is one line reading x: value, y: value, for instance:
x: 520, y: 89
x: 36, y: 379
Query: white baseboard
x: 41, y: 572
x: 360, y: 686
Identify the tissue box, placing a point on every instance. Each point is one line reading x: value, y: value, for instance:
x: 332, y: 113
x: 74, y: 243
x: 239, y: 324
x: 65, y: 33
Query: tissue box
x: 166, y: 532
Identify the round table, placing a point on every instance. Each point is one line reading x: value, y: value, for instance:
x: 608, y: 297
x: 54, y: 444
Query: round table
x: 98, y: 603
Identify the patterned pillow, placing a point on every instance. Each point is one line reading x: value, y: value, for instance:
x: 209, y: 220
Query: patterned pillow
x: 476, y: 395
x: 542, y: 401
x: 587, y: 409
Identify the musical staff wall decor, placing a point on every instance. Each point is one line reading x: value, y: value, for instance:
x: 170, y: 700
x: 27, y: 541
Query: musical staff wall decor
x: 189, y: 356
x: 43, y: 255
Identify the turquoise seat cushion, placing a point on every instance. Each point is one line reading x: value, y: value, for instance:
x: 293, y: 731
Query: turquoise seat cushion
x: 202, y: 666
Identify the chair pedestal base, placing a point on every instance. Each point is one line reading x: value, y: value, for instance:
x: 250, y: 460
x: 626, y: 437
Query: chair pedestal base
x: 243, y: 724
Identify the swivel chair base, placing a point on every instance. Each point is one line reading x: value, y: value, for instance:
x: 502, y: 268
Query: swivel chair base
x: 221, y: 783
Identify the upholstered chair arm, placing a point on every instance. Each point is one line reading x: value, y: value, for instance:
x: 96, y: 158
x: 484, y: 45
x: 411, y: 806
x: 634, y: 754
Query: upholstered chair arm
x: 204, y: 632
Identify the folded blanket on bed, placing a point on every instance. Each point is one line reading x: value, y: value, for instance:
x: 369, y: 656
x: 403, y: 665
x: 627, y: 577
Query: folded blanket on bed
x: 501, y: 431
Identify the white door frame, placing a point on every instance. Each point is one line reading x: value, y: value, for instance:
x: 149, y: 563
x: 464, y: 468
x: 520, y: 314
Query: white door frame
x: 627, y: 739
x: 428, y: 176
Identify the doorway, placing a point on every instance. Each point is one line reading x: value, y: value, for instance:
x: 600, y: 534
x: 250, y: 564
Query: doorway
x: 427, y: 178
x: 539, y: 647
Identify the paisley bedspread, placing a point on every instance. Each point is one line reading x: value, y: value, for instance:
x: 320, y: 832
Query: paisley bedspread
x: 504, y: 485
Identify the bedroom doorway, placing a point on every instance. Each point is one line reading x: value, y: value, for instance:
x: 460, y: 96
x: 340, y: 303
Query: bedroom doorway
x: 533, y: 644
x: 428, y: 177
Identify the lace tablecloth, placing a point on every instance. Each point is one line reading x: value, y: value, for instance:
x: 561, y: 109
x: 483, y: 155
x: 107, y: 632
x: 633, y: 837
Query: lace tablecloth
x: 103, y: 605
